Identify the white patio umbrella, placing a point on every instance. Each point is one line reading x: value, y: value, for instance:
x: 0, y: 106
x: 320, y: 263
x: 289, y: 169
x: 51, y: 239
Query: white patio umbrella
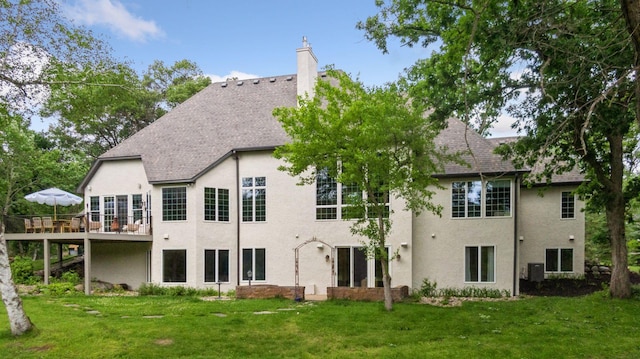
x: 54, y: 197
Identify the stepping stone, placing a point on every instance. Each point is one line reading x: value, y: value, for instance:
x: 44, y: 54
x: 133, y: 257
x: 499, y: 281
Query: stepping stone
x: 94, y: 312
x: 153, y: 316
x: 220, y: 315
x: 264, y: 312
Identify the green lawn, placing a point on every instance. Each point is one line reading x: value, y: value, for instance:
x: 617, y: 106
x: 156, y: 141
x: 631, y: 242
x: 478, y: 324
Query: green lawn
x: 171, y: 327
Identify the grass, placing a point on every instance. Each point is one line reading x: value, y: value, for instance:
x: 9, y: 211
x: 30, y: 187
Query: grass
x: 182, y: 327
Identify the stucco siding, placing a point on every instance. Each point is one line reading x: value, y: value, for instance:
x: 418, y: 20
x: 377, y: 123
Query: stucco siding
x: 439, y: 245
x: 120, y: 262
x: 541, y: 227
x: 118, y: 177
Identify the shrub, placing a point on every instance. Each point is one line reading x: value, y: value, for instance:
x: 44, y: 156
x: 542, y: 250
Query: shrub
x: 70, y: 277
x: 429, y: 289
x: 177, y: 291
x: 59, y: 288
x: 151, y: 289
x: 22, y: 270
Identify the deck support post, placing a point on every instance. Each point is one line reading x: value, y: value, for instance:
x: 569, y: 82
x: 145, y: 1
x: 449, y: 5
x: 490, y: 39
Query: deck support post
x: 47, y: 261
x: 87, y: 265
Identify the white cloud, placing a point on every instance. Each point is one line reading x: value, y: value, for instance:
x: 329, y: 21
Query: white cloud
x: 24, y: 63
x: 233, y: 74
x: 116, y: 17
x: 502, y: 127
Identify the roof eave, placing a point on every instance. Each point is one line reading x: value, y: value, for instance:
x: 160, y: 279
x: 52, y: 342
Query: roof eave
x: 224, y: 157
x: 476, y: 174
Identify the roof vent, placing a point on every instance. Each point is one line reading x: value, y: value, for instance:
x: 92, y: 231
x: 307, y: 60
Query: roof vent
x: 273, y: 79
x: 240, y: 83
x: 256, y: 81
x: 224, y: 84
x: 289, y: 78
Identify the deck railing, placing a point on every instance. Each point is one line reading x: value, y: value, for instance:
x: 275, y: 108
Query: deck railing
x: 96, y: 223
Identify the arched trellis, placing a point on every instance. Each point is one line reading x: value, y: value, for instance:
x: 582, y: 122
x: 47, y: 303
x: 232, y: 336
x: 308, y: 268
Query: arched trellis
x: 297, y: 253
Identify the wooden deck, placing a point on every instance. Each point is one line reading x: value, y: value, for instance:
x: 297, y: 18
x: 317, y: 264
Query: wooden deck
x: 75, y: 237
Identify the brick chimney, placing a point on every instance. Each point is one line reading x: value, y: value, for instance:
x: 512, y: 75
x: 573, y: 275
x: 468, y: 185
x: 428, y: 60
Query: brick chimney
x: 307, y: 69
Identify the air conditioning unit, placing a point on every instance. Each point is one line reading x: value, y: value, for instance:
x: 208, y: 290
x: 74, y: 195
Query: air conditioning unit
x: 536, y: 272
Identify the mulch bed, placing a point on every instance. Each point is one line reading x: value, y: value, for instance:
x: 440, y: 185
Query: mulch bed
x: 567, y: 287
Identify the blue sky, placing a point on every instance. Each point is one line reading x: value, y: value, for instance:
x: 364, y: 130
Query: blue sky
x: 252, y: 37
x: 245, y: 38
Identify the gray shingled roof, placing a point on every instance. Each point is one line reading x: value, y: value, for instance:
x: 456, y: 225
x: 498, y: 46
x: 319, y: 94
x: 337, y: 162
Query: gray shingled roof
x: 223, y: 116
x: 478, y: 152
x: 569, y: 177
x: 237, y: 115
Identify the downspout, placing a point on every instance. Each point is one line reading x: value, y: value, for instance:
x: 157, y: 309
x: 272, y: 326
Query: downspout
x: 515, y: 235
x: 238, y: 213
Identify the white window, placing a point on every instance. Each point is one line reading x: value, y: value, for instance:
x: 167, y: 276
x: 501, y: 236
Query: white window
x: 354, y: 269
x: 216, y: 204
x: 468, y: 199
x: 174, y: 204
x: 254, y: 199
x: 254, y: 264
x: 174, y: 265
x: 479, y: 264
x: 568, y: 205
x: 558, y: 260
x: 336, y: 200
x: 216, y: 265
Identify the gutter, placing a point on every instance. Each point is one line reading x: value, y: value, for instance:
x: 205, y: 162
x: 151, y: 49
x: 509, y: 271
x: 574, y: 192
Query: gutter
x: 515, y: 235
x: 238, y: 213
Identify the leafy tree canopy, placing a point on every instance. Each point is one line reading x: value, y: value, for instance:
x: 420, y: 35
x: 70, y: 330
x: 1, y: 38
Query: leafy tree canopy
x: 564, y: 70
x: 370, y: 139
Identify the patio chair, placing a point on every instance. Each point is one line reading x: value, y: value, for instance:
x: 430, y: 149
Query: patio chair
x: 94, y: 226
x: 75, y: 225
x: 133, y: 227
x: 37, y: 225
x: 28, y: 227
x: 47, y: 224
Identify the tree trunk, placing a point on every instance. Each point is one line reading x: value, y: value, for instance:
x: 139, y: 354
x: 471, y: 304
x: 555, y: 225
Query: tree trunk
x: 384, y: 262
x: 386, y: 283
x: 620, y: 286
x: 35, y: 252
x: 18, y: 319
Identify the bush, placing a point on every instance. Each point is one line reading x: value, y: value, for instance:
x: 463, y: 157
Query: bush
x: 428, y: 289
x: 70, y: 277
x: 177, y: 291
x: 59, y: 288
x: 22, y: 270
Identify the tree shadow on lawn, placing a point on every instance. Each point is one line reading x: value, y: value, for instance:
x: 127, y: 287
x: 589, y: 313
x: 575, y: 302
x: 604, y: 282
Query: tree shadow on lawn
x: 571, y: 287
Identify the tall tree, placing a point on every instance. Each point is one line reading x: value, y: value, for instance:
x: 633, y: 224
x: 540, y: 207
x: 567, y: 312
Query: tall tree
x: 565, y: 70
x: 15, y: 157
x: 373, y: 142
x: 175, y: 84
x: 36, y: 43
x: 100, y: 105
